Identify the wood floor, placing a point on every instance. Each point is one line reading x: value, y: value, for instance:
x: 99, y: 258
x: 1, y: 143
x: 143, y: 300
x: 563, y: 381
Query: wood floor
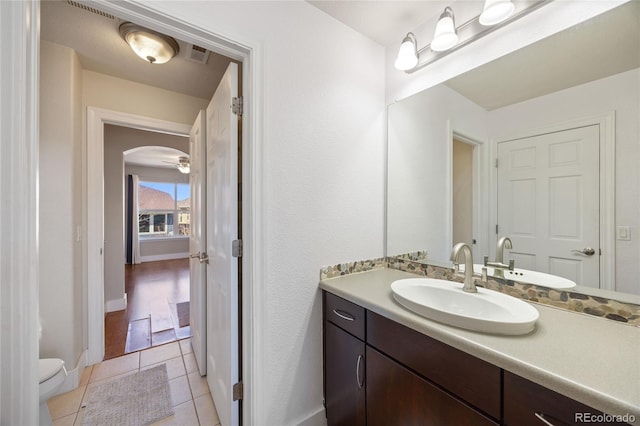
x: 155, y: 294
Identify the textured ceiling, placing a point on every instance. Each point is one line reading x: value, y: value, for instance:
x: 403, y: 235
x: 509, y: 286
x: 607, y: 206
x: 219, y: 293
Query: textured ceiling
x: 98, y: 43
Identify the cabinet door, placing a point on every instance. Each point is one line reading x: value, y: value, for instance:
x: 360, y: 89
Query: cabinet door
x: 396, y: 396
x: 529, y: 404
x: 344, y: 378
x: 471, y: 379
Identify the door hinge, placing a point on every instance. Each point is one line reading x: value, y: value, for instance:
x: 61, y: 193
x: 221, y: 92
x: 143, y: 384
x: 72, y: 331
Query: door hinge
x: 236, y: 248
x: 496, y: 163
x: 237, y: 106
x: 496, y: 229
x: 238, y: 391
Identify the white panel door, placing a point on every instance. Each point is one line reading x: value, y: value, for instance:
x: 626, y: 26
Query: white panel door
x: 548, y: 202
x: 197, y: 242
x: 222, y: 230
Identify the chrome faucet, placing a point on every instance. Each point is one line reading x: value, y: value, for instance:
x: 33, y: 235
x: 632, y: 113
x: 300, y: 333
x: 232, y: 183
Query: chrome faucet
x: 469, y: 284
x: 504, y: 242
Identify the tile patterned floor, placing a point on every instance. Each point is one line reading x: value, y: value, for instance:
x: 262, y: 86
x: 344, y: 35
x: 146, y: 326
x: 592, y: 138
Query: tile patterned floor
x: 192, y: 401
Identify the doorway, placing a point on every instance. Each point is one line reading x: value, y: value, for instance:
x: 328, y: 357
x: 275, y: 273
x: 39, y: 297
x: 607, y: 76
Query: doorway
x: 465, y: 155
x: 144, y: 185
x: 96, y: 120
x: 462, y: 220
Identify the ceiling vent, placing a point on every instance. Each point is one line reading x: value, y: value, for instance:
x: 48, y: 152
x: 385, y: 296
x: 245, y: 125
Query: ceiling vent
x: 90, y: 9
x: 197, y: 54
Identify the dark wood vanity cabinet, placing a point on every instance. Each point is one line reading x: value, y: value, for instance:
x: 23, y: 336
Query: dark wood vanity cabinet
x: 379, y: 372
x: 372, y: 376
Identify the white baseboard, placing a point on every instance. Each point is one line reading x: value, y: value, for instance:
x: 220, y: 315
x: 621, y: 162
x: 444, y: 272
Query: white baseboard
x: 316, y: 418
x: 72, y: 381
x: 169, y: 256
x: 116, y: 305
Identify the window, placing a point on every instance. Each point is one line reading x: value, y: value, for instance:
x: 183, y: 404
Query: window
x: 159, y: 204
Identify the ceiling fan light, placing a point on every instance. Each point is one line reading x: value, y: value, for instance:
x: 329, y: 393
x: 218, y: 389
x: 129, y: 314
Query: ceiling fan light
x: 408, y: 53
x: 183, y: 165
x: 496, y: 11
x: 445, y: 36
x: 149, y: 45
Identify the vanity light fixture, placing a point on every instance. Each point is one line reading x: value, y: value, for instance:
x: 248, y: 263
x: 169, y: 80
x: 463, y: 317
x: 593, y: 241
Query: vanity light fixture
x: 149, y: 45
x: 496, y: 11
x: 446, y: 35
x: 449, y: 38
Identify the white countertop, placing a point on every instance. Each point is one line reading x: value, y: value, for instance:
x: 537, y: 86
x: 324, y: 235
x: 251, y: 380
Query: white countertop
x: 593, y: 360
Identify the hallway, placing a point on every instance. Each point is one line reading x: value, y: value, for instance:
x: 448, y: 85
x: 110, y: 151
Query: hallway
x: 156, y: 311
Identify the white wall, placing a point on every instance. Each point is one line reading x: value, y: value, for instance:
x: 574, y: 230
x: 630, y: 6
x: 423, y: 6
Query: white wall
x: 60, y: 266
x: 419, y: 167
x: 117, y: 140
x: 323, y: 168
x: 116, y: 94
x: 619, y: 93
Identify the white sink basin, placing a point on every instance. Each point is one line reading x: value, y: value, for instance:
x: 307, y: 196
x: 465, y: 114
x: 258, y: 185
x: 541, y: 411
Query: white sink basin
x: 444, y: 301
x: 526, y: 276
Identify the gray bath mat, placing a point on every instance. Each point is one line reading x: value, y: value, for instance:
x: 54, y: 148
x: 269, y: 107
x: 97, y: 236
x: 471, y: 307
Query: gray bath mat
x: 135, y: 400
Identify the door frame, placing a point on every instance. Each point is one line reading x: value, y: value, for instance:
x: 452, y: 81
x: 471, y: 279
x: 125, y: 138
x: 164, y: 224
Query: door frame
x: 96, y: 119
x: 19, y: 271
x: 480, y: 160
x: 607, y: 127
x: 250, y: 54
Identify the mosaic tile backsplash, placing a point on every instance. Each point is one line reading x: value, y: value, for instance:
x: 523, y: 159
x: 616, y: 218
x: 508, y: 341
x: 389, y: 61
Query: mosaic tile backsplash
x: 627, y: 313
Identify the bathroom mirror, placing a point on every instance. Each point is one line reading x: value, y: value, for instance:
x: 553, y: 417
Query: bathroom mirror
x: 443, y: 185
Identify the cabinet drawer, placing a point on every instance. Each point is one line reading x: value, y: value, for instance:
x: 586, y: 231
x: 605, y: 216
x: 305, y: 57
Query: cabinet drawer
x: 344, y: 314
x: 466, y: 376
x: 396, y: 396
x: 529, y: 404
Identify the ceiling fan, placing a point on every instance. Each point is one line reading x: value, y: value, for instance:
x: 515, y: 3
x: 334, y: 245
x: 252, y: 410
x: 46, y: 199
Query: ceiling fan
x: 182, y: 164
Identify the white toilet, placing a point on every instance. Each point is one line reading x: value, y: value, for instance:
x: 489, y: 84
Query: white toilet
x: 51, y: 375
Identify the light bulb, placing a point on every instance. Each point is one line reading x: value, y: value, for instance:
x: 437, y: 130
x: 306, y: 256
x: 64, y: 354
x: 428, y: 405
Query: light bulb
x: 445, y: 36
x: 407, y: 55
x: 496, y: 11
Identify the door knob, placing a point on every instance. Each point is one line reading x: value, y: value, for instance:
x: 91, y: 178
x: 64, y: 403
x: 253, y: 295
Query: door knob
x: 204, y: 258
x: 588, y: 251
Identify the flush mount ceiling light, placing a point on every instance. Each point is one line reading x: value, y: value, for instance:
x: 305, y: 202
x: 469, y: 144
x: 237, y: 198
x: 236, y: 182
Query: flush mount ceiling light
x: 149, y: 45
x: 496, y: 11
x: 449, y: 38
x: 445, y: 36
x: 408, y: 53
